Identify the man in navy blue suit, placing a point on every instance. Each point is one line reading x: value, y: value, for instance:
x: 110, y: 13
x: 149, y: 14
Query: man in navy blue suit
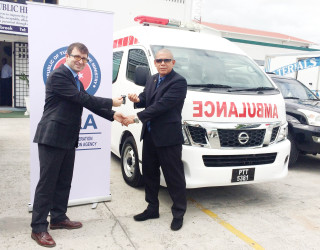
x: 163, y: 98
x: 57, y: 137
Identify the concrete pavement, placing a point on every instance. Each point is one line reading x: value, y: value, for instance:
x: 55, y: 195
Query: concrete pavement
x: 278, y: 215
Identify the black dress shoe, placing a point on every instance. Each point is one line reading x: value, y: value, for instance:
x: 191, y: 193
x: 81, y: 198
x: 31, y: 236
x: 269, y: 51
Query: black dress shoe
x: 176, y: 224
x: 146, y: 215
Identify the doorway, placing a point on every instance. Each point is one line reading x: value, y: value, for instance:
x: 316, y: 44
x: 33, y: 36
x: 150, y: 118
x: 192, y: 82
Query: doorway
x: 6, y: 96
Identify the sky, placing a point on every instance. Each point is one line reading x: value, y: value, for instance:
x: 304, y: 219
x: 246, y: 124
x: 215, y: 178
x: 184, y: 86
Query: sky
x: 298, y: 18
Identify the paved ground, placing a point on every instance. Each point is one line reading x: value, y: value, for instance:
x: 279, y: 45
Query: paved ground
x: 277, y: 215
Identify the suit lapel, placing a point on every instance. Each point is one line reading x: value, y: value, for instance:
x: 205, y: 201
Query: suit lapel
x: 162, y: 84
x: 153, y: 85
x: 70, y: 75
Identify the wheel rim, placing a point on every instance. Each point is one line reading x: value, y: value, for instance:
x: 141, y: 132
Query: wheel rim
x: 129, y: 161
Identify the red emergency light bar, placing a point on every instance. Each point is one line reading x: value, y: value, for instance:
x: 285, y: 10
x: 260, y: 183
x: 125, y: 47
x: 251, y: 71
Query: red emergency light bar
x: 149, y: 19
x: 156, y: 20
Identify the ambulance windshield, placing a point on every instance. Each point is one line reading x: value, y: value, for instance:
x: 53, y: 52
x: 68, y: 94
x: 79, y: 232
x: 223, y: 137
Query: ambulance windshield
x: 219, y: 70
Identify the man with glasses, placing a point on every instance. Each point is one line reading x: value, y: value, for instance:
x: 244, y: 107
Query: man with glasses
x: 57, y: 137
x: 163, y: 99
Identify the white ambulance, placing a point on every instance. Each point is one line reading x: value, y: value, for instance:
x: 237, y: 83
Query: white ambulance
x: 234, y: 120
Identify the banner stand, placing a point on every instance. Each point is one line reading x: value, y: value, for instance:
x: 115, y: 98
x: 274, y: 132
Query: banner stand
x: 48, y: 43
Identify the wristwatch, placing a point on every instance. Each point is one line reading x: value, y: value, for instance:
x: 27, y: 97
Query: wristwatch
x: 136, y: 120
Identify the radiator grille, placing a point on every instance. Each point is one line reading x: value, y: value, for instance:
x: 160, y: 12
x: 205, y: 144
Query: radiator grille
x: 274, y: 134
x: 198, y: 134
x: 229, y: 137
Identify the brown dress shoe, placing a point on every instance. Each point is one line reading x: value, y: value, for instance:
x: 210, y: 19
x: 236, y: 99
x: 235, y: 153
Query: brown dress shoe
x: 66, y: 224
x: 43, y: 239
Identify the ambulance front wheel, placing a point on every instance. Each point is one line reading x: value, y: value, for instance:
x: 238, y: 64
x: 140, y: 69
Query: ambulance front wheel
x: 130, y: 163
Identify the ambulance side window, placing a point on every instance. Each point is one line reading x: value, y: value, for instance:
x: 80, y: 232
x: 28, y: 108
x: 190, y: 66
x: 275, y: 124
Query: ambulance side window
x: 117, y: 56
x: 135, y: 57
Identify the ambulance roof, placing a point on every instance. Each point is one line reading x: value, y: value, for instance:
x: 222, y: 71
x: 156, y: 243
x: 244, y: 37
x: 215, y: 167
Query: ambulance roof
x: 153, y: 35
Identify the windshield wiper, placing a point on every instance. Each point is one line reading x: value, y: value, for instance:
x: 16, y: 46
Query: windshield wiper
x: 291, y: 97
x: 209, y: 85
x: 252, y: 89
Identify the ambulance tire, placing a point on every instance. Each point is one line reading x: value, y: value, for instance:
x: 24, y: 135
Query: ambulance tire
x: 294, y: 152
x: 130, y: 163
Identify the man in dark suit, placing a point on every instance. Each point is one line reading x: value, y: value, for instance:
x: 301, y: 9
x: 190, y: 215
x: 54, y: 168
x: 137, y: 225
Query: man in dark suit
x: 57, y: 137
x: 163, y: 99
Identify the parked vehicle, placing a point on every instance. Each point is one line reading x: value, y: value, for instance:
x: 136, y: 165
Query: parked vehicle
x: 234, y: 120
x: 303, y: 116
x: 303, y: 66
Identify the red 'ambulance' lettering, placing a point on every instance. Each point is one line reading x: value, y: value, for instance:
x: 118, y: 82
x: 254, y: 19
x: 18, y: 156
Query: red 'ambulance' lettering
x: 233, y: 110
x: 259, y: 109
x: 244, y: 113
x: 251, y: 110
x: 209, y: 114
x: 251, y: 115
x: 268, y: 110
x: 222, y: 108
x: 197, y: 109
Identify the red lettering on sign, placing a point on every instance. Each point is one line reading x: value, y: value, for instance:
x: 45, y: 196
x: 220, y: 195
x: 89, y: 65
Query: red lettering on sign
x: 244, y: 112
x: 209, y: 114
x: 233, y: 110
x: 198, y: 108
x: 253, y: 113
x: 275, y: 111
x: 221, y: 109
x: 268, y: 110
x: 259, y: 110
x: 208, y: 109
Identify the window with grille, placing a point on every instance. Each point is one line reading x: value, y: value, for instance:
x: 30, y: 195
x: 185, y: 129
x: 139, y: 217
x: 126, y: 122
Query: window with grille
x: 21, y: 69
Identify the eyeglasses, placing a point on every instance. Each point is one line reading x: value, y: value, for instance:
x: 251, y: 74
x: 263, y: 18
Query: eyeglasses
x: 78, y: 58
x: 163, y: 60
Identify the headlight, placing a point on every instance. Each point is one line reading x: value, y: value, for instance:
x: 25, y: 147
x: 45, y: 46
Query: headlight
x: 283, y: 132
x: 313, y: 118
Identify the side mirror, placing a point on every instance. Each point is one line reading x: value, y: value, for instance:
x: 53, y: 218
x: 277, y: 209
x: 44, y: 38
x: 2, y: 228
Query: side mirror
x: 141, y: 75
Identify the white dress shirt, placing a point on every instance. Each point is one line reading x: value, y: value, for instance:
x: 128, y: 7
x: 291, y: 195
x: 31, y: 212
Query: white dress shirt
x: 6, y: 71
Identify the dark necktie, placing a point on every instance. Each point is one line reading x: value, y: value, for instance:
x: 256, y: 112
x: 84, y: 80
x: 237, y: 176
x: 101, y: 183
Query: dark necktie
x: 159, y: 82
x: 77, y: 82
x: 157, y: 86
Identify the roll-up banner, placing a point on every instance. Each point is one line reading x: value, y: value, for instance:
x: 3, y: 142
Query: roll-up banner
x: 51, y: 29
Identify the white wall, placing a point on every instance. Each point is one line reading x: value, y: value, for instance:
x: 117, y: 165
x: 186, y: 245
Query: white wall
x: 259, y: 52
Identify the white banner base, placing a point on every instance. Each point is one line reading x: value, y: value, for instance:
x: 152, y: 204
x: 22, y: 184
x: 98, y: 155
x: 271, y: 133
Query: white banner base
x: 78, y: 202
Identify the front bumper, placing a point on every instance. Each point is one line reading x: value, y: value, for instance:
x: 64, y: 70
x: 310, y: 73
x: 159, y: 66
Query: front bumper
x: 198, y: 175
x: 307, y: 138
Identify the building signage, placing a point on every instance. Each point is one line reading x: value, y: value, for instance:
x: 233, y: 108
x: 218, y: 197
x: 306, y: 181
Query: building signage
x: 13, y: 18
x: 300, y: 65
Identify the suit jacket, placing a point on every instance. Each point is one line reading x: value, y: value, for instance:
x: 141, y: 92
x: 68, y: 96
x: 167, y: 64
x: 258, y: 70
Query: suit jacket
x: 163, y: 108
x: 61, y: 120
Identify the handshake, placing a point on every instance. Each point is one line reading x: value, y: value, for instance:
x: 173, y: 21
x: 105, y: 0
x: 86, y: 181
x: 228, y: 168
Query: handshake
x: 119, y: 117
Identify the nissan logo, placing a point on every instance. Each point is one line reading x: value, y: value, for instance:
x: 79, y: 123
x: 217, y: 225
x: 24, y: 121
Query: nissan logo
x: 243, y: 138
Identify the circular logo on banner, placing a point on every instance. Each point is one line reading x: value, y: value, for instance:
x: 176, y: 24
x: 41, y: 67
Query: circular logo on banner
x: 90, y: 76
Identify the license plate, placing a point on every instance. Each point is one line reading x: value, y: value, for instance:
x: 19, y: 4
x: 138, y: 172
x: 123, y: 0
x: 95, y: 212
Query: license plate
x: 243, y: 174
